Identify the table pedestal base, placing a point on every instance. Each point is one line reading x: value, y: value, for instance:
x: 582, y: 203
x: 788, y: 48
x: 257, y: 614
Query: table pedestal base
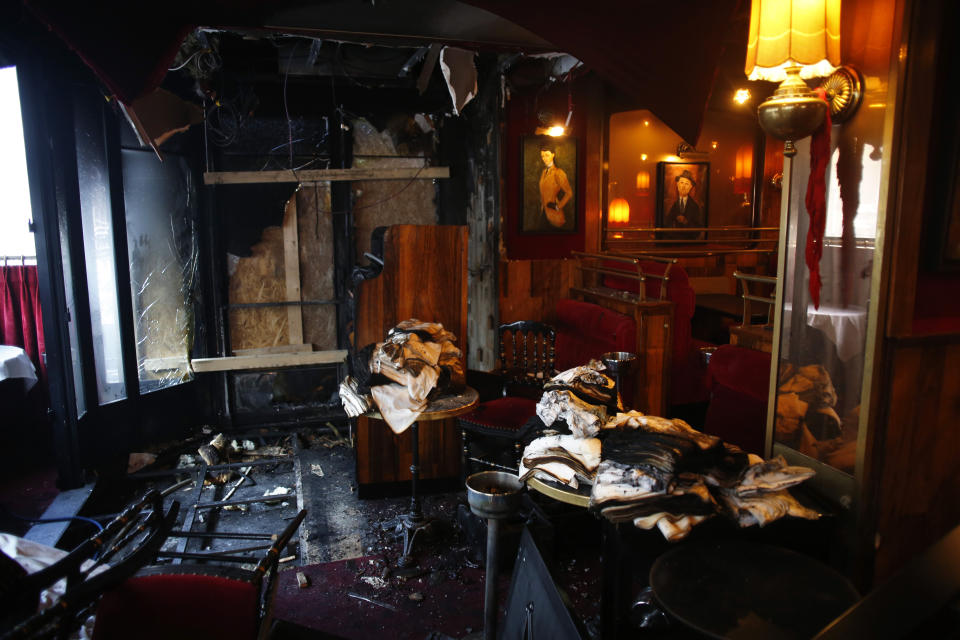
x: 407, y: 525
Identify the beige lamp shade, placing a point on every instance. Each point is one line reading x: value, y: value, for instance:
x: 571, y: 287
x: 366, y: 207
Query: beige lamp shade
x: 643, y: 181
x: 743, y: 172
x: 785, y: 33
x: 619, y: 211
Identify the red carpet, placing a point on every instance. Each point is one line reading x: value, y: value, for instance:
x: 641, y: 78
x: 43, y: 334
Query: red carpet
x: 441, y: 599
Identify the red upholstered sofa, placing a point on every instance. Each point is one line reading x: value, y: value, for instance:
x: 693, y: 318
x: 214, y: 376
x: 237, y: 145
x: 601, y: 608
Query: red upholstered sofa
x: 739, y: 387
x: 586, y: 330
x: 688, y: 369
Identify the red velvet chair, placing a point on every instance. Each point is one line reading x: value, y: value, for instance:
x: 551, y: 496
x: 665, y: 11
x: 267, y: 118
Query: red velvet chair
x: 739, y: 387
x: 585, y: 331
x: 194, y: 601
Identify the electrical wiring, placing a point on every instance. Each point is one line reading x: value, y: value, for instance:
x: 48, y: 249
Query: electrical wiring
x: 187, y: 61
x: 48, y: 520
x: 286, y: 106
x: 394, y: 195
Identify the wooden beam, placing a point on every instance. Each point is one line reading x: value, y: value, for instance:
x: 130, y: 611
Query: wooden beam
x: 280, y: 348
x: 291, y: 269
x: 268, y: 361
x: 324, y: 175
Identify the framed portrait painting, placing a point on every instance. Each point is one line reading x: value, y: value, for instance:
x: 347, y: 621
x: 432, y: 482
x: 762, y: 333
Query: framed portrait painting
x: 683, y: 190
x: 549, y: 185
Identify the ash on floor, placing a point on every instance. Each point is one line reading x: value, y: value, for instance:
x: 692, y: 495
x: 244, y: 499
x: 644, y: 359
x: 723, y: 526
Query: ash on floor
x: 350, y: 560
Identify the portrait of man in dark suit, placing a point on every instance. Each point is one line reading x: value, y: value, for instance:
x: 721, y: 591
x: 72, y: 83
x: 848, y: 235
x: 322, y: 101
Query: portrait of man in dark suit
x: 683, y: 196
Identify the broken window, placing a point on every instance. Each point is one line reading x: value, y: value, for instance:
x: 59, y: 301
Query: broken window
x: 161, y: 211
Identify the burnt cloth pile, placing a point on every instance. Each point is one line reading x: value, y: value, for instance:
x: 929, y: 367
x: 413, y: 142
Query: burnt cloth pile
x: 415, y: 360
x: 662, y: 473
x: 580, y: 398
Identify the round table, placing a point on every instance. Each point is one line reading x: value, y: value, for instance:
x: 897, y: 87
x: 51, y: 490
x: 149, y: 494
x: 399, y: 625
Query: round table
x: 15, y: 363
x: 444, y: 405
x: 577, y: 497
x: 738, y: 589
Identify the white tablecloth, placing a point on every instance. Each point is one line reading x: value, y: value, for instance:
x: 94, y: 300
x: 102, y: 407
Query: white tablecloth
x: 845, y: 328
x: 15, y: 363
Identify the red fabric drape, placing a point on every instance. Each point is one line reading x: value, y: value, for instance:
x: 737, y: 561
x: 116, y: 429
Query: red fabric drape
x: 21, y: 323
x: 816, y: 202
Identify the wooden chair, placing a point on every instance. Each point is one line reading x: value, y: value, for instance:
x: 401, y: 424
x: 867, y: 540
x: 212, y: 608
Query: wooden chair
x: 504, y: 418
x: 748, y: 334
x: 210, y: 601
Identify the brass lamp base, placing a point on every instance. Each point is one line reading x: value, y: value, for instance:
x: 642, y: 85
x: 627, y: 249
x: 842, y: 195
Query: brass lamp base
x: 792, y: 112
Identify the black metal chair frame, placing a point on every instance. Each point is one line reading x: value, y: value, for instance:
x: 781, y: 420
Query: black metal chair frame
x: 142, y: 526
x: 262, y: 577
x: 527, y: 356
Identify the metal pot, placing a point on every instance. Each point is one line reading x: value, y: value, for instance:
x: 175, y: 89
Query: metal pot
x: 494, y: 494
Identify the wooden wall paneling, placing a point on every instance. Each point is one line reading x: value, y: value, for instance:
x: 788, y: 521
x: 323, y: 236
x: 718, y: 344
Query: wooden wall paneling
x: 593, y: 175
x: 530, y: 288
x: 384, y: 457
x: 424, y: 277
x: 919, y: 80
x: 918, y: 486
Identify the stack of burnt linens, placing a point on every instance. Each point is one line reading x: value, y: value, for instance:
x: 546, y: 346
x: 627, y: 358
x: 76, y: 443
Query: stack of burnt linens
x: 415, y: 360
x: 653, y: 471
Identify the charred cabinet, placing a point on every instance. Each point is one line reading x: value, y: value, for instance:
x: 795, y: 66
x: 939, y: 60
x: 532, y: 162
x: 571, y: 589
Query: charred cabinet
x: 424, y: 276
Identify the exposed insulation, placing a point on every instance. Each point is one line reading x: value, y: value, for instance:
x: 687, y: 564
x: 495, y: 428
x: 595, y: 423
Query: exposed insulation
x: 259, y: 278
x: 387, y: 202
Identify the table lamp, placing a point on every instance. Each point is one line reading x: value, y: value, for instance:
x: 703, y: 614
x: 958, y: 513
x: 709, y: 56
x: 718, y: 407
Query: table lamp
x: 791, y: 41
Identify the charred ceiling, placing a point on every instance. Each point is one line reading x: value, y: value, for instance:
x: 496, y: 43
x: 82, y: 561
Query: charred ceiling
x: 663, y: 56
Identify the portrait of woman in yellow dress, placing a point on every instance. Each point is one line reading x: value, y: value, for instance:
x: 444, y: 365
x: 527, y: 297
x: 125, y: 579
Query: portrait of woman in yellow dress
x: 549, y: 174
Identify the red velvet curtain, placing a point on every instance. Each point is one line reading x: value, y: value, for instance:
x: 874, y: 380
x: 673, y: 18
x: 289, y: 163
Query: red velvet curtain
x: 21, y: 323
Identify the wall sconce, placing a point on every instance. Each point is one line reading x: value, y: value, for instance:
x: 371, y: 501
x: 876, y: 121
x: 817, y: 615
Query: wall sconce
x: 619, y: 212
x: 743, y: 171
x: 643, y: 182
x: 688, y: 152
x: 791, y: 41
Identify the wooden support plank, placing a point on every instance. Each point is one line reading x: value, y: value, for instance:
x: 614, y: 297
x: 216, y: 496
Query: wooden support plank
x: 291, y: 269
x: 325, y: 175
x: 280, y: 348
x: 268, y: 361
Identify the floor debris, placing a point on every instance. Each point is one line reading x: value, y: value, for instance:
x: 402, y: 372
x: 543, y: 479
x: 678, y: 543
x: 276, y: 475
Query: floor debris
x: 372, y: 601
x: 374, y: 581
